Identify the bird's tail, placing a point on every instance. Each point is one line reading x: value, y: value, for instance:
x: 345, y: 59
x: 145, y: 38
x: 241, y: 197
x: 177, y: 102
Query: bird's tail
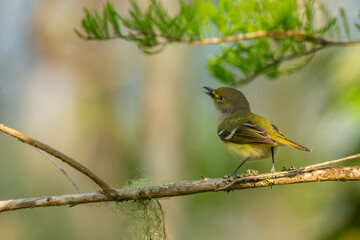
x: 287, y: 142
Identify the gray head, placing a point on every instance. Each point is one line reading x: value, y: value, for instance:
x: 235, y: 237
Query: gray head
x: 228, y: 101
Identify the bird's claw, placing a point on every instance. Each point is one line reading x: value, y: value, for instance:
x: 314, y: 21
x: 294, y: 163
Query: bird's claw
x: 230, y: 178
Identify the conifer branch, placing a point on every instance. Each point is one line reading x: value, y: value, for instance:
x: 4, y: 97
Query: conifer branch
x: 254, y: 37
x: 190, y: 187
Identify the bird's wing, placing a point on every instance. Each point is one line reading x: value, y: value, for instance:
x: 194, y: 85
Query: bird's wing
x: 283, y: 140
x: 243, y: 132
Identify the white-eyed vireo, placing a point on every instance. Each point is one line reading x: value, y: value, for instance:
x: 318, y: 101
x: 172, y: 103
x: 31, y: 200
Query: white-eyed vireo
x: 245, y: 135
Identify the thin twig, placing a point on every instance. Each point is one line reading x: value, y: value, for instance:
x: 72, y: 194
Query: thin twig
x: 332, y: 162
x: 274, y: 62
x: 61, y: 169
x: 188, y: 187
x: 53, y: 152
x: 241, y: 178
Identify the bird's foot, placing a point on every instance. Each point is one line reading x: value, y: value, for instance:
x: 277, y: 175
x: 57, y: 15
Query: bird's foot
x: 284, y: 169
x: 230, y: 177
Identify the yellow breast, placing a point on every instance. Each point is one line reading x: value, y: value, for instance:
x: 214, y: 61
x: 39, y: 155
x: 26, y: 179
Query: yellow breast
x: 251, y: 151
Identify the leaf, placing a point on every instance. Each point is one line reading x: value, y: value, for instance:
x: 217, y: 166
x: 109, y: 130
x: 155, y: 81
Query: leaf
x: 345, y: 23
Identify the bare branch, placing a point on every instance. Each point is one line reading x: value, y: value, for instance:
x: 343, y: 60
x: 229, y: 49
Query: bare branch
x: 191, y: 187
x: 307, y: 168
x: 73, y: 163
x: 308, y: 174
x: 332, y: 161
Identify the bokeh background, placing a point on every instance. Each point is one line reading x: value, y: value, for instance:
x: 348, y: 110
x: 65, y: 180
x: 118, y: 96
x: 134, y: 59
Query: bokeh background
x: 124, y: 114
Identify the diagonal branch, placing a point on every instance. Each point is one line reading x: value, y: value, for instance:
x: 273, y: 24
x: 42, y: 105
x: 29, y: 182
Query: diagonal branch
x: 73, y: 163
x: 332, y: 162
x: 191, y: 187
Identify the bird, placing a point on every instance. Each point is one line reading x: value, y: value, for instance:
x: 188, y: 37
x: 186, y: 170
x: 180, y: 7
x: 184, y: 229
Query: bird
x: 245, y: 135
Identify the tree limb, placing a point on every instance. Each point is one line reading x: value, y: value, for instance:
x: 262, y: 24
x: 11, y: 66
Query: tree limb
x: 297, y: 35
x: 73, y: 163
x: 308, y: 174
x: 191, y: 187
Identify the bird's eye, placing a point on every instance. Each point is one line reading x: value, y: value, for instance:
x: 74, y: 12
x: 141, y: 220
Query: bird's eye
x: 221, y: 99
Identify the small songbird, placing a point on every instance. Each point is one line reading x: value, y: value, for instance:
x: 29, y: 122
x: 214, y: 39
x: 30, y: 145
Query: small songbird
x: 245, y: 135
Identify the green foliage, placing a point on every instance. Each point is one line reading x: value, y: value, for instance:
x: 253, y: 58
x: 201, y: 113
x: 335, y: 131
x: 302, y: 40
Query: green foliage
x: 238, y: 60
x: 356, y: 24
x: 345, y: 22
x: 146, y: 216
x: 97, y: 26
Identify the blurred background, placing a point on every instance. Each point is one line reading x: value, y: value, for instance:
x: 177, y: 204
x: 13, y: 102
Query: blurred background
x: 124, y: 114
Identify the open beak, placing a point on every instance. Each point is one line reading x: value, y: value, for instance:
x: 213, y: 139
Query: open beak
x: 210, y: 92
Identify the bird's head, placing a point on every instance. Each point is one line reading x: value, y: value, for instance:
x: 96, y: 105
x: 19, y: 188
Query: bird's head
x: 228, y: 101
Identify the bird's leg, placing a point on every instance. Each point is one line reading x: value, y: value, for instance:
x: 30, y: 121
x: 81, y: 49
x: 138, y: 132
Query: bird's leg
x: 273, y: 162
x: 234, y: 172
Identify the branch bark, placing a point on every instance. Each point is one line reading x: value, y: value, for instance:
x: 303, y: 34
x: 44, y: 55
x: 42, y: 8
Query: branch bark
x: 297, y: 35
x: 53, y: 152
x: 191, y: 187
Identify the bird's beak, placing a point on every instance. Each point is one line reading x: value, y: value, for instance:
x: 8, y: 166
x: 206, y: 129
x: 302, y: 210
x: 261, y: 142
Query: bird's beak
x: 210, y: 92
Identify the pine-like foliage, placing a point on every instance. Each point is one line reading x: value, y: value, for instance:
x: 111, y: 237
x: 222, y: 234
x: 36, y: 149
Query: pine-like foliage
x: 254, y: 37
